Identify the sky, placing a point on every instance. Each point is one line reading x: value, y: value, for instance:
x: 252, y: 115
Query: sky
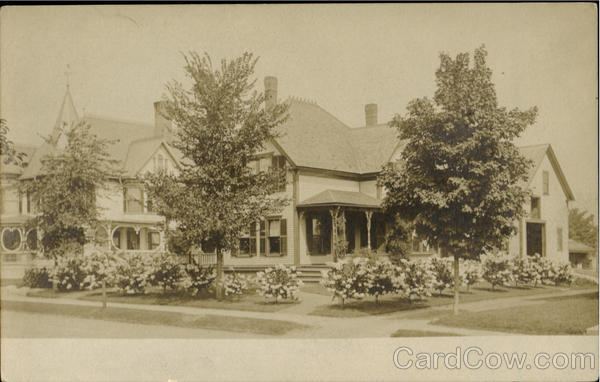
x: 341, y: 56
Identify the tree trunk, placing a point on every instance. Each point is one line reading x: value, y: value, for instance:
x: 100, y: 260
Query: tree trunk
x: 103, y: 294
x: 219, y: 274
x: 456, y: 284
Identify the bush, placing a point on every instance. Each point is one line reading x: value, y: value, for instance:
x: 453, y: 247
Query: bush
x: 381, y: 278
x: 470, y: 272
x: 235, y: 285
x: 279, y: 282
x: 98, y: 266
x: 441, y: 269
x: 165, y: 271
x: 416, y: 279
x: 544, y: 268
x: 562, y: 274
x: 68, y: 273
x: 37, y: 278
x: 197, y: 278
x: 347, y: 279
x: 496, y: 269
x: 525, y: 271
x: 132, y: 274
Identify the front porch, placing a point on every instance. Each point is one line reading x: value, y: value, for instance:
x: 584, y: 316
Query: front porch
x: 333, y: 222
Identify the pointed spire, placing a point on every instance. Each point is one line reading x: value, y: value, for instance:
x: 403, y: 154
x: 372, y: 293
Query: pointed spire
x: 67, y: 114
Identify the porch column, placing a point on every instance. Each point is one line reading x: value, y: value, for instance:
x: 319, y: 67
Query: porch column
x: 368, y: 215
x: 333, y: 214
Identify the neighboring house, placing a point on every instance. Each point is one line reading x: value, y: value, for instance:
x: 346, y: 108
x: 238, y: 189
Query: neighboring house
x: 582, y: 256
x: 331, y: 169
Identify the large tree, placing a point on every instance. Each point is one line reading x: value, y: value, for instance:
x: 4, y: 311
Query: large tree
x: 458, y: 178
x: 221, y: 124
x: 7, y: 147
x: 582, y: 227
x: 64, y: 194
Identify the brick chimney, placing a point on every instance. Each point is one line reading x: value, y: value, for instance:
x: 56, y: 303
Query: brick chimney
x: 270, y: 91
x: 163, y: 127
x: 371, y: 114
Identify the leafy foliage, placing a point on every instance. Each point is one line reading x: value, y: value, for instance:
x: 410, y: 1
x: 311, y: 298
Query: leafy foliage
x: 279, y: 282
x: 417, y: 279
x: 7, y: 147
x: 470, y: 272
x: 69, y: 273
x: 131, y: 274
x: 98, y: 266
x: 165, y: 271
x: 582, y: 227
x: 235, y: 284
x: 381, y: 281
x: 347, y: 279
x: 525, y: 271
x: 459, y: 174
x: 65, y: 194
x: 496, y: 269
x: 37, y: 278
x: 197, y: 278
x: 441, y: 269
x: 222, y: 123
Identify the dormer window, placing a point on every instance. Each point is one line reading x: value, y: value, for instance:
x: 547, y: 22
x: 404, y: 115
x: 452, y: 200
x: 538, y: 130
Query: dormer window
x: 278, y: 164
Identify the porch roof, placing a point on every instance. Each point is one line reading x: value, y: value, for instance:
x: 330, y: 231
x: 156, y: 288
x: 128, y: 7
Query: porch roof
x: 577, y: 247
x: 341, y: 198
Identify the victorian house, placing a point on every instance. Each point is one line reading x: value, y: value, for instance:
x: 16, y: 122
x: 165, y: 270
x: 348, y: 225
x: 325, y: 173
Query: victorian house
x: 331, y: 180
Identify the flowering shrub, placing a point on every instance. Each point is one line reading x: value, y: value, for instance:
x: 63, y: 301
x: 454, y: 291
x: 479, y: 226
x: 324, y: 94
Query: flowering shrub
x: 196, y: 278
x: 98, y: 266
x: 441, y: 269
x: 496, y: 269
x: 562, y: 274
x: 525, y: 271
x: 68, y: 273
x: 470, y: 272
x: 544, y: 268
x: 347, y: 279
x: 165, y: 271
x: 279, y: 282
x: 416, y: 281
x: 234, y: 284
x: 381, y: 278
x: 131, y: 274
x: 37, y: 278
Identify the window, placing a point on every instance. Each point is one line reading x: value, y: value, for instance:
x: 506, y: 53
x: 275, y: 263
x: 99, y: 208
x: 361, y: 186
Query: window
x: 11, y: 239
x: 277, y: 236
x: 535, y: 207
x: 545, y: 183
x: 153, y: 239
x: 32, y: 240
x: 117, y: 239
x: 278, y: 164
x: 133, y: 200
x: 247, y: 244
x: 559, y: 239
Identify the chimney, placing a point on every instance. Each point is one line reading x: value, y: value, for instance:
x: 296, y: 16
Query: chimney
x: 371, y: 114
x: 163, y: 127
x: 270, y: 91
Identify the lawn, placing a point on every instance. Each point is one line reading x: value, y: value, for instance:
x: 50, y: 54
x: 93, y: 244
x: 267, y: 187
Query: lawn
x: 148, y: 317
x: 248, y: 302
x: 394, y: 304
x: 557, y: 315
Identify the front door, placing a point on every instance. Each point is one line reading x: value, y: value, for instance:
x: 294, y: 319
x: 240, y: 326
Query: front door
x: 536, y: 239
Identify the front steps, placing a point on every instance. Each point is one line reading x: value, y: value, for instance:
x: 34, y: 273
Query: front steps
x: 308, y: 273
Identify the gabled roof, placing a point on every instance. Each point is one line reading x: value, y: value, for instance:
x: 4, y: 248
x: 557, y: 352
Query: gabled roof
x: 577, y: 247
x: 537, y: 153
x: 314, y: 138
x: 134, y: 144
x: 341, y: 198
x: 13, y: 168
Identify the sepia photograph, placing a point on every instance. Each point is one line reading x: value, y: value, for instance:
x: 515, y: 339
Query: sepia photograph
x: 299, y: 192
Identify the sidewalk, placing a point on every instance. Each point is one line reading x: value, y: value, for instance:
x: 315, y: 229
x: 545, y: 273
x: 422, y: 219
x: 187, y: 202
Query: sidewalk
x: 324, y: 327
